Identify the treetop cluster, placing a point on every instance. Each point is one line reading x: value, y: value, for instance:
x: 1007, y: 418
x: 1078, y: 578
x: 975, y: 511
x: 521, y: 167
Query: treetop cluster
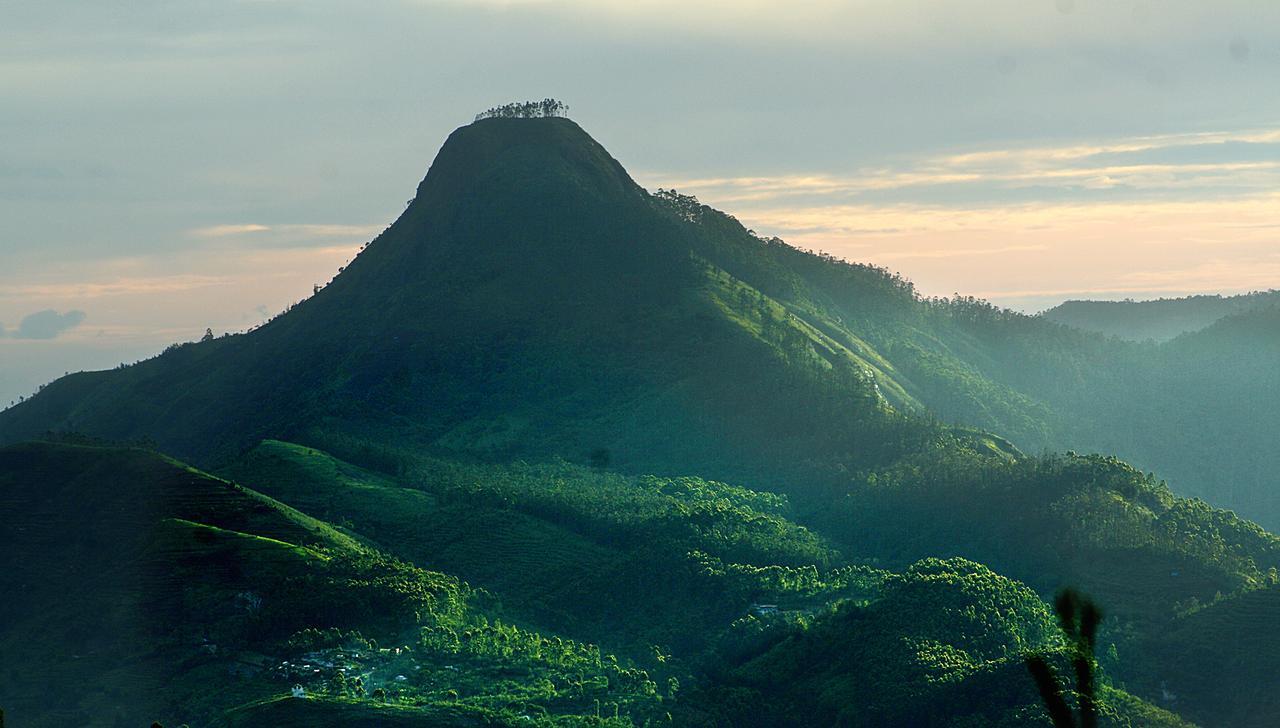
x: 545, y: 108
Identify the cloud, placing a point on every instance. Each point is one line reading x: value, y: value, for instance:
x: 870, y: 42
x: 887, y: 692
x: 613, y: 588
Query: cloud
x: 222, y: 231
x: 1172, y: 166
x: 285, y: 236
x: 960, y: 252
x: 121, y: 286
x: 47, y: 324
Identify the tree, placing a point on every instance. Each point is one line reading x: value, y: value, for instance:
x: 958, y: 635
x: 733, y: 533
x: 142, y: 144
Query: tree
x: 545, y: 108
x: 1079, y: 618
x: 600, y: 458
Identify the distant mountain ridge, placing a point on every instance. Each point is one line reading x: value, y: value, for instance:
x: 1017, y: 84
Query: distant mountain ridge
x: 1157, y: 320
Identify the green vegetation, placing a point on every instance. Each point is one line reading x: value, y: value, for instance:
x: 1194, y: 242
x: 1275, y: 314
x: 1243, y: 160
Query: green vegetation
x: 557, y: 451
x: 161, y: 614
x: 942, y: 646
x: 540, y: 537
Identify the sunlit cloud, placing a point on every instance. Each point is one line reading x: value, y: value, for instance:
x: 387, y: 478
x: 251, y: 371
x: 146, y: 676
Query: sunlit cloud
x: 878, y: 24
x: 167, y: 284
x: 147, y: 299
x: 959, y: 252
x: 1045, y: 171
x: 290, y: 234
x: 1210, y: 275
x: 1042, y: 155
x: 222, y: 231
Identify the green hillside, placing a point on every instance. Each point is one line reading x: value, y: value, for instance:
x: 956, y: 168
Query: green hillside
x: 1091, y: 522
x: 550, y: 542
x: 196, y: 620
x: 947, y: 641
x: 139, y: 589
x: 1221, y: 657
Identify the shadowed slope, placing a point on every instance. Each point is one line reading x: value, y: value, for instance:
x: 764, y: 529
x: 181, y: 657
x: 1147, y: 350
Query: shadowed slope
x: 531, y: 300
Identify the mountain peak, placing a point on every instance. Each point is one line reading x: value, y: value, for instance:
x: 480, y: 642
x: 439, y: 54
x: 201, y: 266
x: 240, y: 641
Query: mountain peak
x: 539, y: 149
x: 521, y: 200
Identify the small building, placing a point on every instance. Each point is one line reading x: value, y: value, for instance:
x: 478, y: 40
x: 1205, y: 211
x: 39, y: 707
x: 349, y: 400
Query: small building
x: 762, y: 609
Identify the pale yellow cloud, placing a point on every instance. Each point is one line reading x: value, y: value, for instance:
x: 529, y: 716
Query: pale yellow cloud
x: 1071, y: 166
x: 222, y: 231
x: 1047, y: 154
x: 290, y: 231
x: 81, y: 290
x: 959, y: 252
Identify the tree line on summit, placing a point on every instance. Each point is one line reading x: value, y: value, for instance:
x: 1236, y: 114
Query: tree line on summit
x: 546, y: 108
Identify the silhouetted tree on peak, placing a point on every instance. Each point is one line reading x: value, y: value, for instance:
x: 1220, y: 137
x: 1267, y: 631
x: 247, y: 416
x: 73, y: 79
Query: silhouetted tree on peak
x: 543, y: 109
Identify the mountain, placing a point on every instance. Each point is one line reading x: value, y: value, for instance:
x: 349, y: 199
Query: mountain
x: 583, y: 420
x: 531, y: 300
x: 1158, y: 320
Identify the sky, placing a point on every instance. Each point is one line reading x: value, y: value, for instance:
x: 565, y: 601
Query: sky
x: 171, y: 166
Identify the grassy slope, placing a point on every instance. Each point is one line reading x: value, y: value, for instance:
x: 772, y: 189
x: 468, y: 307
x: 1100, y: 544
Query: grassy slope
x: 554, y: 545
x: 538, y: 568
x: 137, y: 588
x: 96, y: 546
x: 1090, y: 522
